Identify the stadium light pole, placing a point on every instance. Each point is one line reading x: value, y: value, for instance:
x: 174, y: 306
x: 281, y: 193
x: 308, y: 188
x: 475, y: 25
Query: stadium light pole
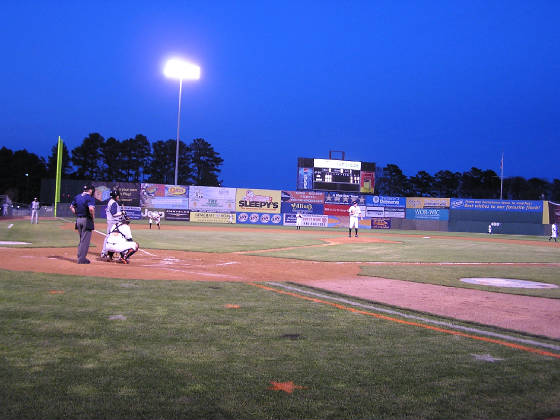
x: 181, y: 70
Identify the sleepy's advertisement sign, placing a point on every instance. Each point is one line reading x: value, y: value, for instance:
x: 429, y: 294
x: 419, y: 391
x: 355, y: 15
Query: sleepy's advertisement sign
x: 258, y: 201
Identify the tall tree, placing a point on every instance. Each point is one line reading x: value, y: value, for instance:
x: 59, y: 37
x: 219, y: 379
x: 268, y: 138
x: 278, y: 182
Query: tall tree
x: 446, y: 183
x: 540, y: 189
x: 422, y: 184
x: 21, y: 173
x: 162, y: 166
x: 111, y: 152
x: 206, y: 163
x: 477, y: 183
x: 66, y: 168
x: 515, y: 188
x: 141, y: 154
x: 393, y: 182
x: 555, y: 191
x: 88, y: 158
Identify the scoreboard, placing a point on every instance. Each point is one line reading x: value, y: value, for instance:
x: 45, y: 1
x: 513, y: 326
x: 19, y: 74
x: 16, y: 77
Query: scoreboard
x: 335, y: 175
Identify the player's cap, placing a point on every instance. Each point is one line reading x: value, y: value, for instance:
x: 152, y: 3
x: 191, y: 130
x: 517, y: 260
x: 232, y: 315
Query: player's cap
x: 87, y: 187
x: 354, y: 202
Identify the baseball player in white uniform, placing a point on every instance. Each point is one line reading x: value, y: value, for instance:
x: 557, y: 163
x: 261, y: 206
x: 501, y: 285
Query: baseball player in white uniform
x: 35, y: 211
x: 120, y: 240
x: 299, y: 220
x: 113, y: 212
x: 154, y: 216
x: 553, y: 232
x: 355, y: 214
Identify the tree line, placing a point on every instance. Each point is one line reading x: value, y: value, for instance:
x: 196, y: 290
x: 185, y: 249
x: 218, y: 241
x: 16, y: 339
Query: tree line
x: 96, y: 158
x: 138, y: 160
x: 474, y: 183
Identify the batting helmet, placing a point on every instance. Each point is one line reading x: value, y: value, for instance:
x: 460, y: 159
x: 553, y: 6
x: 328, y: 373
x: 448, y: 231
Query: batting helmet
x: 114, y: 193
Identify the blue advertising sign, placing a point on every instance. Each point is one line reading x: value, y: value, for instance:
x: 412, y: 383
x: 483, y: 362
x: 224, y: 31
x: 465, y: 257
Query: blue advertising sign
x: 384, y: 201
x: 133, y: 212
x: 307, y: 208
x: 259, y: 218
x: 427, y: 214
x: 344, y: 198
x: 496, y: 205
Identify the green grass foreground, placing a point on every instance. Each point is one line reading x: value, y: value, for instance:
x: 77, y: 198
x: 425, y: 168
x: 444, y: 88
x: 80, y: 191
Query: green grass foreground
x: 78, y: 347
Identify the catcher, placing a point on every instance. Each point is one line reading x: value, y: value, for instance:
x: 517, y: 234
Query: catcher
x: 120, y: 240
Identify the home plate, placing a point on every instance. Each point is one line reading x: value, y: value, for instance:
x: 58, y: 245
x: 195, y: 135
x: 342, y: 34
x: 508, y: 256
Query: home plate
x: 497, y: 282
x: 14, y: 243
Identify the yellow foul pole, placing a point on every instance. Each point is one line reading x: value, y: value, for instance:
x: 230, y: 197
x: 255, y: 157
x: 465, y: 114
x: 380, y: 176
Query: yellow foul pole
x: 58, y: 175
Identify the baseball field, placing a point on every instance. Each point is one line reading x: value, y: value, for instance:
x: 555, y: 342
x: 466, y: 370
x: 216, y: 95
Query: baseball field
x: 235, y: 322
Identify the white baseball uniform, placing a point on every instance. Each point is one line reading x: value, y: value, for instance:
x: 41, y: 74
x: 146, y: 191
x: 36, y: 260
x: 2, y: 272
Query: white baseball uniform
x: 355, y: 213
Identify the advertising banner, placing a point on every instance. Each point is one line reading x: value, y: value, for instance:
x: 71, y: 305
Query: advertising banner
x: 379, y: 200
x: 208, y: 217
x: 133, y: 212
x: 257, y: 201
x: 129, y: 192
x: 527, y: 206
x: 380, y: 223
x: 213, y: 199
x: 375, y: 211
x: 336, y: 210
x: 302, y: 208
x: 177, y: 214
x: 308, y: 220
x: 162, y: 196
x: 146, y: 211
x: 395, y: 212
x: 305, y: 179
x: 344, y: 198
x: 344, y: 221
x: 259, y: 218
x: 303, y: 197
x: 427, y: 203
x: 427, y: 214
x: 367, y: 182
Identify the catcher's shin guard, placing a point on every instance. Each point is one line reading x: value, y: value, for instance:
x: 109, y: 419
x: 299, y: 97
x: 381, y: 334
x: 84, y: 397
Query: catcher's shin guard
x: 128, y: 253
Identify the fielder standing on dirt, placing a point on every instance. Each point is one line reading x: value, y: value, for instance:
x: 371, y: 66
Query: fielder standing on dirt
x: 83, y: 206
x: 355, y: 213
x: 113, y: 212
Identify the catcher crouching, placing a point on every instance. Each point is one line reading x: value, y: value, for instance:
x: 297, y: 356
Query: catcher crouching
x: 120, y: 241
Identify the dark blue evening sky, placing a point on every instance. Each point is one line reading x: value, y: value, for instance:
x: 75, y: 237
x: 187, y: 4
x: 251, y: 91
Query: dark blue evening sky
x: 427, y: 85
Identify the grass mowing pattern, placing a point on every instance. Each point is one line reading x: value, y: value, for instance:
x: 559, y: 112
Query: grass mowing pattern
x: 180, y: 353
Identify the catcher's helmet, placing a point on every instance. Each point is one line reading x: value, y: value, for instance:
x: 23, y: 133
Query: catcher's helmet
x: 114, y: 193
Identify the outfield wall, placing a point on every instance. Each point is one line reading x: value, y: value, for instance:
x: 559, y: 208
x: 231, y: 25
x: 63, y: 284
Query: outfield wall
x: 320, y: 209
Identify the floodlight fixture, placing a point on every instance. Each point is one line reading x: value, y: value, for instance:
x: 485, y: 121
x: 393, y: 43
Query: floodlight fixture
x: 176, y: 68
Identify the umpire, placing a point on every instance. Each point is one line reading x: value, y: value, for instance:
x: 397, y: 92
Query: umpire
x: 83, y: 206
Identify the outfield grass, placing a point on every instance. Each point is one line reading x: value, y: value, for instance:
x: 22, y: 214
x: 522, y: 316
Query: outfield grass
x: 77, y: 347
